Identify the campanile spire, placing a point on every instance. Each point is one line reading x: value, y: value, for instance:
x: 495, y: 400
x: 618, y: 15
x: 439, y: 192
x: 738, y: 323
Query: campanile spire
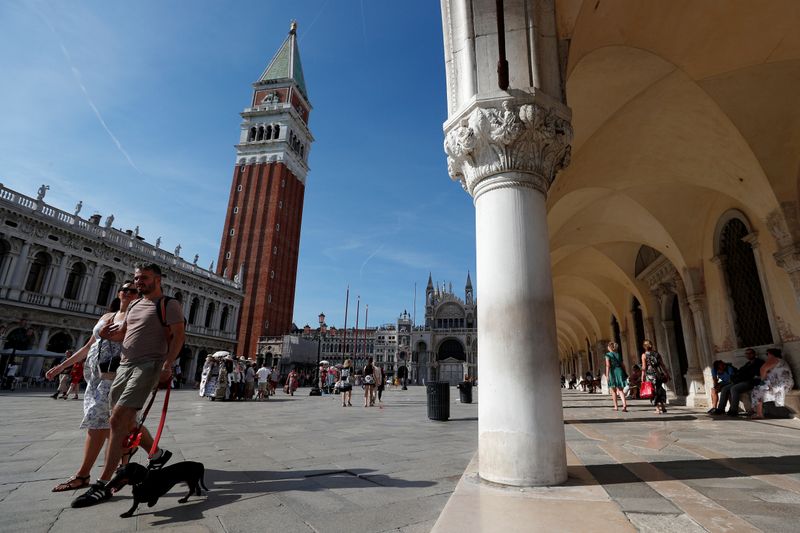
x: 265, y: 209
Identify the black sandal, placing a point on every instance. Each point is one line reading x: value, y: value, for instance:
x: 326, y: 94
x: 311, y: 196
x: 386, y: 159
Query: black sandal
x: 69, y: 484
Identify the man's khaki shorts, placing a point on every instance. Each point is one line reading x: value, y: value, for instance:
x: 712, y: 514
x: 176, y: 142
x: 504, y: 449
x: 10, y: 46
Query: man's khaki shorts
x: 263, y: 386
x: 134, y: 383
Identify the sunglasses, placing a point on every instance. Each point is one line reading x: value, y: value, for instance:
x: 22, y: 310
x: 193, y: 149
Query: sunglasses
x: 130, y: 290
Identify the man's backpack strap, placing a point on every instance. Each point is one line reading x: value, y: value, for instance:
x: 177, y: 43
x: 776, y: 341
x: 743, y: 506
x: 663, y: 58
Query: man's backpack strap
x: 161, y: 311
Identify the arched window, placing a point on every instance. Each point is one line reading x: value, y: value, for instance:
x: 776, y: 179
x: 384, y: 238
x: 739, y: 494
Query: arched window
x: 260, y: 135
x: 106, y: 284
x: 252, y: 134
x: 744, y: 286
x: 74, y: 279
x: 59, y: 343
x: 193, y: 310
x: 223, y: 321
x: 37, y: 272
x: 209, y: 314
x: 276, y: 132
x: 268, y: 134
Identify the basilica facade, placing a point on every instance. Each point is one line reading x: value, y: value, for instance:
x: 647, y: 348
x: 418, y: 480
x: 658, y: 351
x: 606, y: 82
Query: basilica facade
x: 446, y: 347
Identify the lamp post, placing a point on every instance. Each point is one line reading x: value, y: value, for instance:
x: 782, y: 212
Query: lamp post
x: 315, y: 390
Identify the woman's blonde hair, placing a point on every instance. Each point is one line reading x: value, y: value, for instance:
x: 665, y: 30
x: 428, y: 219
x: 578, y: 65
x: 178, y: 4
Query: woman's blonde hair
x: 613, y: 346
x: 647, y: 345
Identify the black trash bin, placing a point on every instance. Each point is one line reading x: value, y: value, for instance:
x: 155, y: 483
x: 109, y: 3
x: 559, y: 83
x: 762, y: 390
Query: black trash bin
x: 439, y: 400
x: 465, y: 391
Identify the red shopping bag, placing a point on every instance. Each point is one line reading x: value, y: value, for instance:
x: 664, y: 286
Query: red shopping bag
x: 646, y: 391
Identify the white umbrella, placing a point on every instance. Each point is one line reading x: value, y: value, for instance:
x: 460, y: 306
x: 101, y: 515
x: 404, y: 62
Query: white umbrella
x: 221, y: 354
x: 323, y: 362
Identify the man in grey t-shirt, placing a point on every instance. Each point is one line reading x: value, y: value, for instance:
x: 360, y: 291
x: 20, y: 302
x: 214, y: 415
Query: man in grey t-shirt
x: 149, y: 349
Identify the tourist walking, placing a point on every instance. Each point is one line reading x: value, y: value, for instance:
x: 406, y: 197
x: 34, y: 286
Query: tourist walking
x: 152, y: 335
x: 263, y: 381
x: 368, y: 377
x: 64, y: 379
x: 75, y: 378
x: 379, y: 385
x: 291, y: 383
x: 102, y: 359
x: 345, y: 383
x: 655, y: 372
x: 616, y: 375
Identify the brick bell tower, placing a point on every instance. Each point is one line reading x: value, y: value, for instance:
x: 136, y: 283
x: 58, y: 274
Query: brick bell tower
x: 261, y: 236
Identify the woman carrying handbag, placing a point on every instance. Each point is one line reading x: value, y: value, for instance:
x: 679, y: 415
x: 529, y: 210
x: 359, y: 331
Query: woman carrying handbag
x: 655, y: 374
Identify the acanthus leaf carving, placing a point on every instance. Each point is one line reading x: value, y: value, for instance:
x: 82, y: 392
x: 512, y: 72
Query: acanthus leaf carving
x: 527, y: 139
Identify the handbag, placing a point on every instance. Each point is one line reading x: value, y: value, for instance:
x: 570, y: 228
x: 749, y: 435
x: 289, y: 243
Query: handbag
x: 369, y: 379
x: 647, y: 390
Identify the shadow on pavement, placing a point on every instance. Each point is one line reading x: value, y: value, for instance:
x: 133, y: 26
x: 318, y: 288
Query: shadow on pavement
x: 687, y: 469
x: 229, y: 487
x: 632, y: 419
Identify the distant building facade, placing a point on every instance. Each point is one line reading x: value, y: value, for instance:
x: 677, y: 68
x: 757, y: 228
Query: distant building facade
x: 59, y: 272
x: 446, y: 347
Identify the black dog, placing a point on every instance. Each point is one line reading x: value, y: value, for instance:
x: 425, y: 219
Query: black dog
x: 150, y: 485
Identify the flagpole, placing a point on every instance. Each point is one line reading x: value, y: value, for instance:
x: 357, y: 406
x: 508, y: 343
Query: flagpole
x: 366, y: 316
x: 346, y: 306
x: 355, y: 332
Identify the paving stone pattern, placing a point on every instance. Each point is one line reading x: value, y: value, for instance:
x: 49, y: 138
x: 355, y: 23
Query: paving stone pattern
x: 301, y: 464
x: 289, y: 464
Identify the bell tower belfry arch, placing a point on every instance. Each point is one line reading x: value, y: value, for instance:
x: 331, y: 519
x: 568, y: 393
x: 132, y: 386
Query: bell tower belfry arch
x: 261, y: 237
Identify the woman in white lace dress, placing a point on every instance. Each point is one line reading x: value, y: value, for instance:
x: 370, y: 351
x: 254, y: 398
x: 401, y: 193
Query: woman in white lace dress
x: 102, y: 357
x: 776, y: 381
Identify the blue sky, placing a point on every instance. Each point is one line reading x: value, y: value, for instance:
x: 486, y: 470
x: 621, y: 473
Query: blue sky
x: 133, y: 108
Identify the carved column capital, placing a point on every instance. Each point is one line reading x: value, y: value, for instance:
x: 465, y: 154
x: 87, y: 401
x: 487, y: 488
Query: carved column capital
x: 788, y: 258
x: 529, y: 141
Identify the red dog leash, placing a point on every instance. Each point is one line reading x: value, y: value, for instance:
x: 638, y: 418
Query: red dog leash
x: 135, y: 437
x: 160, y: 424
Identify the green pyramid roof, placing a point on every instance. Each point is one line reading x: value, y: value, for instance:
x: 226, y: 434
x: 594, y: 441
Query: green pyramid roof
x: 286, y: 65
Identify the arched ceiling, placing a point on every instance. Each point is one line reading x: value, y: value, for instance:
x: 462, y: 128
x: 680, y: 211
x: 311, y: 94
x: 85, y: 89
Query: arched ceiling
x: 679, y: 109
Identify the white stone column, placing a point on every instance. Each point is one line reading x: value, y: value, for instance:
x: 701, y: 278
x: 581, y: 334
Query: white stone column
x: 505, y: 143
x: 697, y: 396
x: 59, y: 282
x: 20, y: 269
x: 516, y: 328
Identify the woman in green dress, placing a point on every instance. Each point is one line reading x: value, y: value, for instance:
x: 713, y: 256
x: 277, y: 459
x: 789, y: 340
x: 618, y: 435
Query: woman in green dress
x: 616, y: 375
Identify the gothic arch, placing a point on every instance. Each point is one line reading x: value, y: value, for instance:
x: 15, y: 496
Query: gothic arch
x: 451, y: 347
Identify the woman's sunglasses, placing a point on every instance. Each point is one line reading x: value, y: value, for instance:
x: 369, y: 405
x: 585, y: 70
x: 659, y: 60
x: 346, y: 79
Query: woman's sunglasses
x: 129, y: 290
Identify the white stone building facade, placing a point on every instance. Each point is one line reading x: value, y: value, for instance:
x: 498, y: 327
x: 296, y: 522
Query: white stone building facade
x: 59, y: 272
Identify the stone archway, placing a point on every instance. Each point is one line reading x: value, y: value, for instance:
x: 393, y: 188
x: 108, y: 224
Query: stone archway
x: 451, y: 358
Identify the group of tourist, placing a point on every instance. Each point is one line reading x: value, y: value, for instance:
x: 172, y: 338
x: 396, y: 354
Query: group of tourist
x: 131, y: 351
x: 766, y: 380
x: 225, y: 377
x: 370, y: 378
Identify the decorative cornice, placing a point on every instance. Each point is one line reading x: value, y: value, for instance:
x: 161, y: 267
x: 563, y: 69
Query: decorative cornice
x: 530, y: 140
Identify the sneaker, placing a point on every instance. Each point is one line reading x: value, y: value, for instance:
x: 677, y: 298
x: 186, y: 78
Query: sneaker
x: 97, y: 493
x: 158, y: 464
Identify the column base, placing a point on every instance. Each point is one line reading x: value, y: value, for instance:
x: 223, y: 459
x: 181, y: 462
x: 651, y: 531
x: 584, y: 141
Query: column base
x: 697, y: 397
x: 521, y: 460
